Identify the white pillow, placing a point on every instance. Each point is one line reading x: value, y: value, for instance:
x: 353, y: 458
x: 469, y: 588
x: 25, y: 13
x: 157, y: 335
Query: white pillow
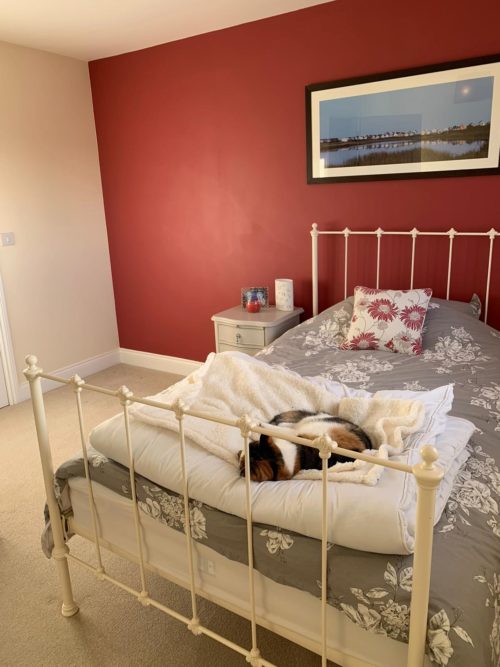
x: 437, y: 402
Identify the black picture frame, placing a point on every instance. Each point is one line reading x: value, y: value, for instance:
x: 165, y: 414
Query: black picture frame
x: 438, y: 115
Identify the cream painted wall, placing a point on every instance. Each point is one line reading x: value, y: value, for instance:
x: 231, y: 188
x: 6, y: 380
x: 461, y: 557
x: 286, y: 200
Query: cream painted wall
x: 57, y: 277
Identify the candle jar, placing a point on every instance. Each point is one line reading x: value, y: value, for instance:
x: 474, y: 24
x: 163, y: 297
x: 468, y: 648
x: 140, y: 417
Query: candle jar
x: 253, y: 306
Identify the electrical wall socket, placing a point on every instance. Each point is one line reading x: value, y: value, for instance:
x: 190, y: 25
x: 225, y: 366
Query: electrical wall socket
x: 7, y: 238
x: 206, y: 566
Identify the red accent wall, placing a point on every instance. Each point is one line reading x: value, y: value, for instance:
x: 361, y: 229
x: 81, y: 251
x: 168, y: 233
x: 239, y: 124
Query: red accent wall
x: 203, y: 161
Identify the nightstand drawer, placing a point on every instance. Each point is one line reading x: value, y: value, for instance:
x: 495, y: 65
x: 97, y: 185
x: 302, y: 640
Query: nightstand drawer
x: 223, y: 347
x: 241, y: 336
x: 236, y: 329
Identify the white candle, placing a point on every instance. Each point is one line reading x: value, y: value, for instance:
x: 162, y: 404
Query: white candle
x: 283, y: 291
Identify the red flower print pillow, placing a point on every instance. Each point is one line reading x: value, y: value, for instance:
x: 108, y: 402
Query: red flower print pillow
x: 387, y: 320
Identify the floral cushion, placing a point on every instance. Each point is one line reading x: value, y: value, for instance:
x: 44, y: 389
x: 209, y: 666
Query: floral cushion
x: 387, y: 320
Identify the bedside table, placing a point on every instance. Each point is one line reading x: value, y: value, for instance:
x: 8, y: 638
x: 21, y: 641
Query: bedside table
x: 236, y: 329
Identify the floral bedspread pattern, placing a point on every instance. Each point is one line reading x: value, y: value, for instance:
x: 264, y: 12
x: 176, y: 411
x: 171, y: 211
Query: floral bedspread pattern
x: 373, y: 590
x: 464, y: 616
x: 226, y: 533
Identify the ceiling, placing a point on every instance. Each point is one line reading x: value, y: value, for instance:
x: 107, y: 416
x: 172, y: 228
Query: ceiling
x: 90, y: 29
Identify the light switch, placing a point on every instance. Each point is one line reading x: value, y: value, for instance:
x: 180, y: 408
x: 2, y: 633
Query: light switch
x: 7, y: 238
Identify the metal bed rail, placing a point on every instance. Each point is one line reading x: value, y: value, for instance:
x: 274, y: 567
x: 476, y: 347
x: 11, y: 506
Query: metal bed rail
x: 427, y: 476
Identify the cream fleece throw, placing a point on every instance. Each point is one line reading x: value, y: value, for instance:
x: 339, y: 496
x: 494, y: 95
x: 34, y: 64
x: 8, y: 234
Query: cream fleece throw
x: 377, y: 518
x: 231, y: 384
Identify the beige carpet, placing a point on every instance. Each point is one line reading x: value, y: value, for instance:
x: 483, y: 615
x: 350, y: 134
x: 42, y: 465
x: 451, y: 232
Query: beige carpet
x: 111, y: 627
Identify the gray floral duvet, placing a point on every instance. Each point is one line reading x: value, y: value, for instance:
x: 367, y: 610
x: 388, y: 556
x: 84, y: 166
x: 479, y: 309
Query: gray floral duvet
x: 373, y: 590
x: 464, y: 614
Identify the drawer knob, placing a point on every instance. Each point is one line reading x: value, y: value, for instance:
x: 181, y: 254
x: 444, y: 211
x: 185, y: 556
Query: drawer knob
x: 238, y: 337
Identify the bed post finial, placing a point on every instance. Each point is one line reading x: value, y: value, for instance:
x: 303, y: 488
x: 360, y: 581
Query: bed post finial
x: 429, y: 456
x: 32, y: 371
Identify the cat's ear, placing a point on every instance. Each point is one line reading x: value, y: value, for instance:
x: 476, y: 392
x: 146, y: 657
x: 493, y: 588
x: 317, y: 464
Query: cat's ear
x: 265, y: 440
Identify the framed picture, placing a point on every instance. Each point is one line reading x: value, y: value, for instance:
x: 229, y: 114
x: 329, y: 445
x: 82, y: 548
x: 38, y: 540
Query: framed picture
x: 261, y: 294
x: 442, y: 120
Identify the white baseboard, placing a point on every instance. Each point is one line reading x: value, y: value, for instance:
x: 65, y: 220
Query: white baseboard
x: 87, y: 367
x: 159, y: 362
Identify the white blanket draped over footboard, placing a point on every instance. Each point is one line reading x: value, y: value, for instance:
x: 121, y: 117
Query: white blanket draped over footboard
x: 232, y: 384
x: 378, y: 515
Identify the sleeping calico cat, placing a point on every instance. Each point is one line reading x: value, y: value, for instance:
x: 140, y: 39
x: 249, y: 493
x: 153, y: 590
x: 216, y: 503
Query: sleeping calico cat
x: 272, y: 458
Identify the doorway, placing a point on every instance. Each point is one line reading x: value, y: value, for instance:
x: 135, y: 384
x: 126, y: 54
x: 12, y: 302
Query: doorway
x: 8, y: 393
x: 4, y: 397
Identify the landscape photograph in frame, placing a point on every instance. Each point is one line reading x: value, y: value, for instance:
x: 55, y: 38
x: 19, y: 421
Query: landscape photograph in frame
x: 437, y: 122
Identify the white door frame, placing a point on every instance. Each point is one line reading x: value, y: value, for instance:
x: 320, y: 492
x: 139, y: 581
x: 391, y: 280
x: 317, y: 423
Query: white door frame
x: 7, y: 351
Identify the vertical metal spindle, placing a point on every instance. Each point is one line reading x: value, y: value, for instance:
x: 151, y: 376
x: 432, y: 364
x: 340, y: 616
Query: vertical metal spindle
x: 414, y: 233
x: 124, y: 394
x: 314, y: 237
x: 324, y: 444
x: 451, y: 235
x: 194, y: 625
x: 346, y: 255
x: 492, y: 234
x: 379, y: 233
x: 245, y: 426
x: 77, y: 388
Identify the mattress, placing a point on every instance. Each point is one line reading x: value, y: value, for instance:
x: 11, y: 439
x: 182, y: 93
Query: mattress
x: 283, y: 609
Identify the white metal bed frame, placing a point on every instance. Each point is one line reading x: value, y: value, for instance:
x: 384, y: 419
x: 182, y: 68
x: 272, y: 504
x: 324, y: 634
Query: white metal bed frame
x: 427, y: 476
x: 414, y: 233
